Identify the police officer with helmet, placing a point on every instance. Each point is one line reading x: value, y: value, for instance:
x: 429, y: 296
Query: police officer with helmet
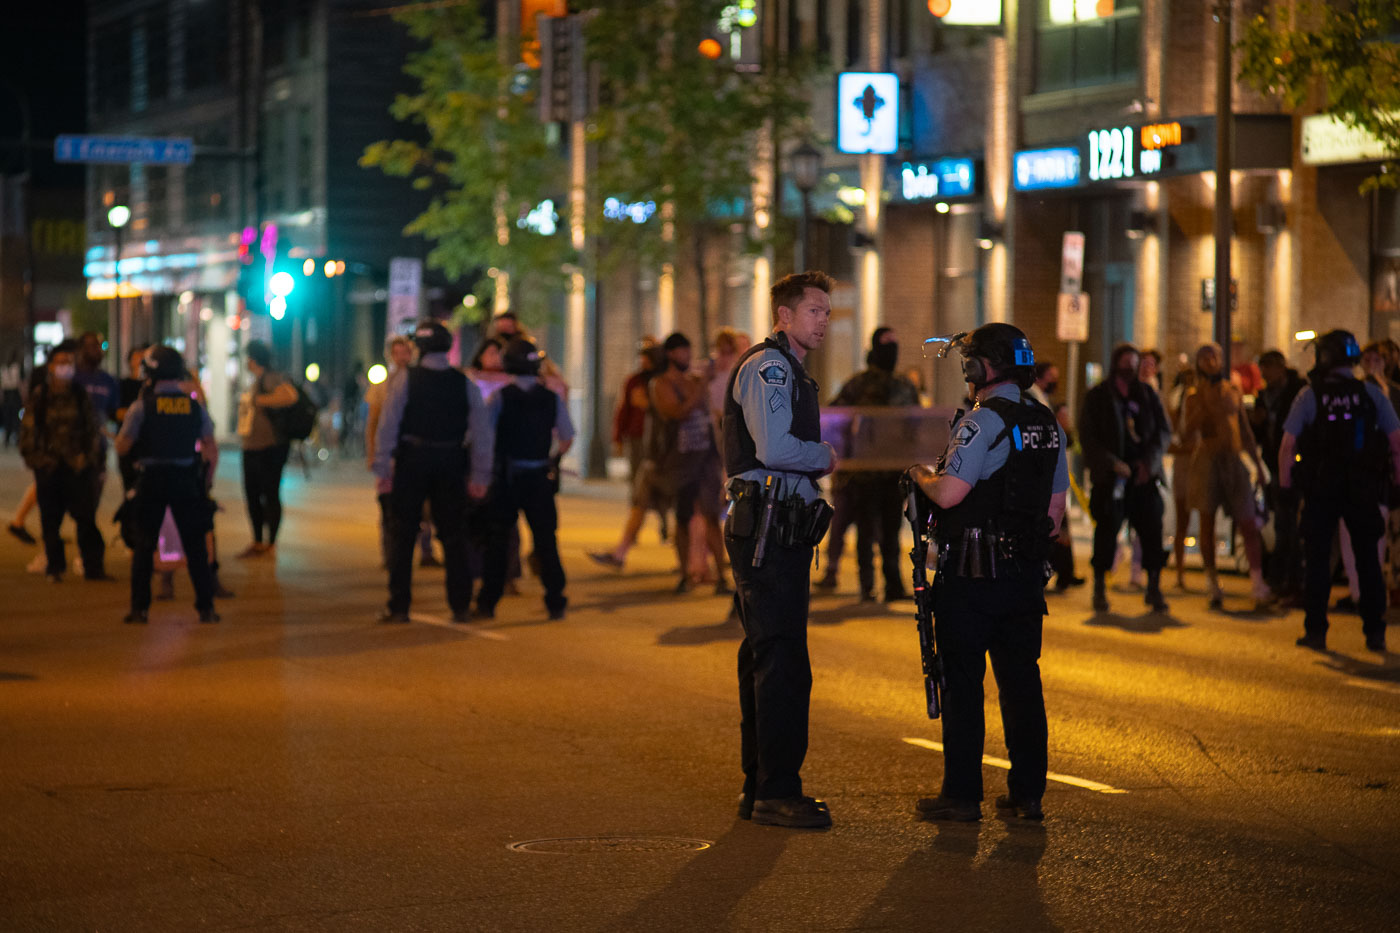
x: 166, y: 433
x: 530, y: 421
x: 999, y: 492
x: 434, y: 445
x: 1346, y: 437
x: 773, y: 455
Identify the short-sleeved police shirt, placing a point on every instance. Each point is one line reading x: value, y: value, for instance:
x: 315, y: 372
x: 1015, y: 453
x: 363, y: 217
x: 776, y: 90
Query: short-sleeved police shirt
x: 1304, y: 410
x: 973, y: 453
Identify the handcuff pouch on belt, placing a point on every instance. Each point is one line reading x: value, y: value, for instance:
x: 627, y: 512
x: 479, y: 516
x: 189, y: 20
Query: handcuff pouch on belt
x: 795, y: 523
x: 978, y: 554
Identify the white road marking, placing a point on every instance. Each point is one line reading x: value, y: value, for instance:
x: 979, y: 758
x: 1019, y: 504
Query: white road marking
x: 1051, y: 775
x: 1372, y: 685
x: 465, y: 627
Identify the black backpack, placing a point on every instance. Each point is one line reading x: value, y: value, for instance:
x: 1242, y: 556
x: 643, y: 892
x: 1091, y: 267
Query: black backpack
x: 296, y: 421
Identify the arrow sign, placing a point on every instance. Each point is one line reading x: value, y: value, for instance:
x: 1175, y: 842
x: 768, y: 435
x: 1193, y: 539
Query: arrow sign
x: 122, y: 150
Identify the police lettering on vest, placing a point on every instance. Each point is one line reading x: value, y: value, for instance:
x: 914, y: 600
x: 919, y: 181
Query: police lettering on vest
x: 1343, y: 448
x: 171, y: 427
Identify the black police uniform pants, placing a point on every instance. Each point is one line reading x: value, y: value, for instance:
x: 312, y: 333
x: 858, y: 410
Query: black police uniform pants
x: 1001, y: 618
x: 878, y: 511
x: 530, y: 491
x: 775, y: 674
x: 176, y: 488
x: 438, y: 477
x: 65, y: 491
x: 1141, y: 506
x: 262, y: 488
x: 1319, y: 525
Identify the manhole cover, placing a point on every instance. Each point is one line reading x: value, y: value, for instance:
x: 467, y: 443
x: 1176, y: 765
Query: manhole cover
x: 569, y: 845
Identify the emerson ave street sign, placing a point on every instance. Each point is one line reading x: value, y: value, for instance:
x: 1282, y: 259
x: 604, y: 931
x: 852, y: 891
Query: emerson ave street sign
x: 120, y: 150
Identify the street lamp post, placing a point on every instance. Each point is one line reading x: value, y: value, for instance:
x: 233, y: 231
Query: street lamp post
x: 119, y: 330
x: 806, y: 170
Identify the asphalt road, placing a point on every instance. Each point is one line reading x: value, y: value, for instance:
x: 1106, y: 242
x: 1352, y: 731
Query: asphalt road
x: 298, y: 767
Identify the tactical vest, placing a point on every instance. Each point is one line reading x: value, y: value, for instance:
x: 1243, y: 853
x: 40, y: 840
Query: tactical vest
x: 436, y: 411
x: 524, y: 430
x: 171, y: 426
x: 740, y: 451
x: 1343, y: 450
x: 1014, y: 502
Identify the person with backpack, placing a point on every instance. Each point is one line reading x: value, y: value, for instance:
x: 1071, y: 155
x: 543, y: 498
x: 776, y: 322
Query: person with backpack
x: 1346, y: 436
x: 435, y: 444
x: 169, y: 436
x: 264, y: 447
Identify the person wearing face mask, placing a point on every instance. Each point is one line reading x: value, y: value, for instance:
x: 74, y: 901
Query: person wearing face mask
x: 874, y: 500
x: 1216, y: 427
x: 1122, y: 432
x: 60, y: 440
x: 999, y: 491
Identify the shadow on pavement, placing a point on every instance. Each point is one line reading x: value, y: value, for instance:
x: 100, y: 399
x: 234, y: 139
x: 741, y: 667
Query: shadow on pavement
x: 704, y: 893
x: 947, y: 879
x: 1384, y: 672
x: 728, y: 630
x: 1149, y: 623
x: 11, y: 676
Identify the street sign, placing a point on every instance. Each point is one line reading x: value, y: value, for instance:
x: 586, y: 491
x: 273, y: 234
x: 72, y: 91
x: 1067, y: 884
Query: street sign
x: 1072, y: 317
x: 405, y: 285
x: 122, y: 150
x: 1072, y: 262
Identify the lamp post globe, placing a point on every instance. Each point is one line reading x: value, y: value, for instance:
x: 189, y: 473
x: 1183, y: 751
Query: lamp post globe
x: 118, y: 215
x: 806, y: 162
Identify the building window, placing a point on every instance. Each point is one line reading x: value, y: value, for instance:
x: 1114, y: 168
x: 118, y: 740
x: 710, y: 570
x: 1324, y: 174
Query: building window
x: 306, y: 158
x: 274, y: 158
x: 207, y: 181
x: 206, y: 44
x: 275, y: 16
x: 823, y: 28
x: 113, y: 66
x: 157, y: 199
x: 1081, y: 43
x: 855, y: 23
x: 899, y: 26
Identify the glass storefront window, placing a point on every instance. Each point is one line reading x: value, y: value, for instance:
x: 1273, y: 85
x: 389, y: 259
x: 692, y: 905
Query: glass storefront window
x: 1081, y: 43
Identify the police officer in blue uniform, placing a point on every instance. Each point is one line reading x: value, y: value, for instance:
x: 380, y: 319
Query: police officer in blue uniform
x: 530, y: 421
x: 1347, y: 437
x: 773, y: 455
x: 434, y: 445
x: 167, y: 433
x: 1000, y: 494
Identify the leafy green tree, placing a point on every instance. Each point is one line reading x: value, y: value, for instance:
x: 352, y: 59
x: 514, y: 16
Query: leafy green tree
x: 484, y: 155
x: 1347, y: 52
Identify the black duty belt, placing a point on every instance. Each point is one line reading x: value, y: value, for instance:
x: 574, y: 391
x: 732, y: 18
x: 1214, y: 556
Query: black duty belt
x: 978, y: 554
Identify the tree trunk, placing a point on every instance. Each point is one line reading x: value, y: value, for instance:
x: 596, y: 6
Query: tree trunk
x: 702, y: 291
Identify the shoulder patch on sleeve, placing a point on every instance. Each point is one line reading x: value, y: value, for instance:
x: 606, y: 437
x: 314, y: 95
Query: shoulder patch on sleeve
x: 773, y: 372
x: 966, y: 431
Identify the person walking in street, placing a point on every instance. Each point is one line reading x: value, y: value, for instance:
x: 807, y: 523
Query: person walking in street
x: 60, y: 440
x: 688, y: 456
x: 773, y: 455
x: 399, y: 355
x: 529, y: 420
x: 167, y: 433
x: 434, y: 446
x: 1000, y: 488
x: 1123, y: 431
x: 874, y: 494
x: 1283, y: 566
x: 1346, y: 436
x: 1216, y: 427
x: 264, y: 449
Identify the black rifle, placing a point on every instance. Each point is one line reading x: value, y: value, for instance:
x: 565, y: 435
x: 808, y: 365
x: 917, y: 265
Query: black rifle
x: 919, y: 509
x: 765, y: 523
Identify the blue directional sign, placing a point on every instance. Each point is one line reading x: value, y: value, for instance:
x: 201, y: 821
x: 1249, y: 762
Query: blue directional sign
x: 122, y: 150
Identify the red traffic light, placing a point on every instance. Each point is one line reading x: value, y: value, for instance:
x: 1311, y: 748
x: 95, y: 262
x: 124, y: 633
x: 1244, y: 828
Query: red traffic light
x: 710, y: 48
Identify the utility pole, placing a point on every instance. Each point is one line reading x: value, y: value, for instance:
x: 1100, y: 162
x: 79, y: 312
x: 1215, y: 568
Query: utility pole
x: 1224, y: 163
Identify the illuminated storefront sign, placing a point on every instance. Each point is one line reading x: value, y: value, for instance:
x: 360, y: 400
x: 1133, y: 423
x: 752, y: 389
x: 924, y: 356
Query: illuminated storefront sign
x: 1329, y: 141
x: 1111, y: 153
x: 970, y: 13
x: 1161, y: 135
x: 867, y: 112
x: 941, y: 178
x: 1047, y: 168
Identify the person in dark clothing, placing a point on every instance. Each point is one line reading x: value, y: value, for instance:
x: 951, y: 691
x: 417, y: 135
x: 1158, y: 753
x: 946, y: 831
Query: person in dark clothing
x: 1346, y: 435
x: 170, y: 437
x: 60, y: 440
x: 528, y: 419
x: 875, y: 502
x: 999, y: 491
x: 1284, y: 564
x: 1123, y: 431
x: 433, y: 445
x: 264, y: 449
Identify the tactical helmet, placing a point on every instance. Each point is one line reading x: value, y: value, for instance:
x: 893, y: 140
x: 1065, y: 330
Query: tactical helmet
x: 162, y: 362
x: 1337, y: 348
x: 432, y: 337
x: 522, y: 357
x: 1005, y: 347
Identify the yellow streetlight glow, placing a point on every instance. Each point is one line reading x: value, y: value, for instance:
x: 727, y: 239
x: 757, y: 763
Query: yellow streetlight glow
x: 313, y: 372
x: 377, y: 374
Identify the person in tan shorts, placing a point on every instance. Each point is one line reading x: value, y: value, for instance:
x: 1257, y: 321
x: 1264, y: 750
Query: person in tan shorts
x: 1216, y: 429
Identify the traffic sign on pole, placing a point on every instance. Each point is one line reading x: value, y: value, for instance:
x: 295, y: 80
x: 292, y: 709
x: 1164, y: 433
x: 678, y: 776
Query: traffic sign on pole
x: 121, y: 150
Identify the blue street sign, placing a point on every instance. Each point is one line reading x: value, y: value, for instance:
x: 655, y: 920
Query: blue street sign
x: 124, y: 149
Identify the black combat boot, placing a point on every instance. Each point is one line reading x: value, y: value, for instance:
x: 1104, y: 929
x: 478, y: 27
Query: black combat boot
x: 1154, y: 591
x: 1100, y: 592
